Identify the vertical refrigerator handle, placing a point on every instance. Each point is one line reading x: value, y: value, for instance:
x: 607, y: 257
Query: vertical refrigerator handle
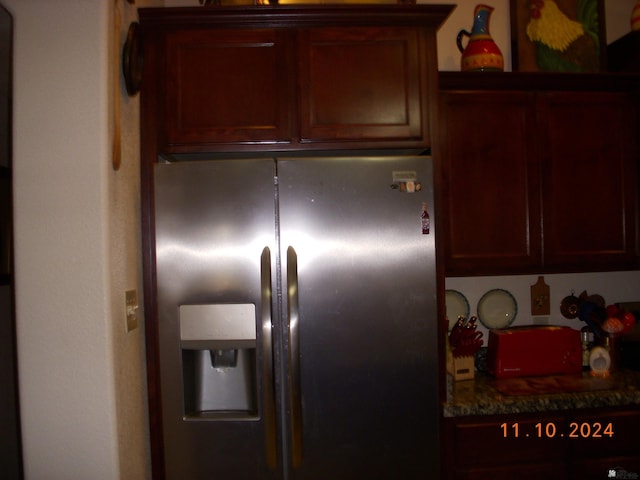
x: 295, y: 396
x: 267, y: 361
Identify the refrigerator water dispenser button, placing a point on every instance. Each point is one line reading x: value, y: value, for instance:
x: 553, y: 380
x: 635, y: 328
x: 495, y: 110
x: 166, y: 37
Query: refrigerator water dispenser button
x: 224, y: 358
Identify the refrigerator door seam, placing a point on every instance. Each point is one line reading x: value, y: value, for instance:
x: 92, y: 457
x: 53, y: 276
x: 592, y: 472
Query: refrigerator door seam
x: 279, y: 352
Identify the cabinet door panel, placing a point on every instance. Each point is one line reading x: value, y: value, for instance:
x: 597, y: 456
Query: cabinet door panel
x: 483, y: 443
x: 228, y: 86
x: 480, y: 448
x: 537, y: 471
x: 361, y: 83
x: 594, y: 438
x: 490, y: 183
x: 611, y: 467
x: 589, y: 179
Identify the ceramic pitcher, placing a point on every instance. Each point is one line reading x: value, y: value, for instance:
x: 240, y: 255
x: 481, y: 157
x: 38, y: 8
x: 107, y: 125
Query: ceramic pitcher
x: 635, y: 17
x: 481, y: 52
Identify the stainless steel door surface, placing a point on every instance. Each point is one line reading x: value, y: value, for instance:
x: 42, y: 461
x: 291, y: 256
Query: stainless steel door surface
x: 361, y: 296
x: 330, y: 254
x: 213, y: 221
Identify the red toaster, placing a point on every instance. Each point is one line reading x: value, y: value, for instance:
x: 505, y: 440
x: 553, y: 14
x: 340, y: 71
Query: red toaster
x: 534, y: 350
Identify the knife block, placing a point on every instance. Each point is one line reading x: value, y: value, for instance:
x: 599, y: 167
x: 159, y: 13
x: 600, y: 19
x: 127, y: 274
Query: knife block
x: 461, y: 368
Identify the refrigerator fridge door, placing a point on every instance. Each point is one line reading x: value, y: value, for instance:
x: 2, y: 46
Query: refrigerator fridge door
x: 215, y: 245
x: 304, y: 287
x: 361, y: 331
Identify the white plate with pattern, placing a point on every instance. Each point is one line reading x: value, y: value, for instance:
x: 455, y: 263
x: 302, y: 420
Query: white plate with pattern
x: 457, y: 306
x: 497, y: 309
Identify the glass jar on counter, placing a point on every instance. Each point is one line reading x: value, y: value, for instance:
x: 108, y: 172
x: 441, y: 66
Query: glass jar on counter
x: 586, y: 337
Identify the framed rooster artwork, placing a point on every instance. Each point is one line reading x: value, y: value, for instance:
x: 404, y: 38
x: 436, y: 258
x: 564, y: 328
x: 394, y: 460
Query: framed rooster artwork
x: 558, y: 36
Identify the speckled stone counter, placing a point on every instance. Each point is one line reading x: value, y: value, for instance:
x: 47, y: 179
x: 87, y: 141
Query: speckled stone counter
x: 486, y: 395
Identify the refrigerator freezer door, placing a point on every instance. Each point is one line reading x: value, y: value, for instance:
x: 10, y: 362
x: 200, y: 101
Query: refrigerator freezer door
x: 361, y: 296
x: 215, y: 245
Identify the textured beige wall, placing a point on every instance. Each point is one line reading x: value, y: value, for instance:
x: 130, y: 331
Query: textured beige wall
x: 81, y: 375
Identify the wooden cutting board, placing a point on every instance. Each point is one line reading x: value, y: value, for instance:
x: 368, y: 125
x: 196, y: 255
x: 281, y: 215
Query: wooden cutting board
x: 540, y: 304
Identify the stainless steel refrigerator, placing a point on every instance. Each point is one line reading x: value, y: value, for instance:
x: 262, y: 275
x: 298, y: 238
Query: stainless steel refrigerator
x: 296, y: 318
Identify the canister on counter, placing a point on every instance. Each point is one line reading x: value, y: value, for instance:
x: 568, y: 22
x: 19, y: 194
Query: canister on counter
x: 586, y: 337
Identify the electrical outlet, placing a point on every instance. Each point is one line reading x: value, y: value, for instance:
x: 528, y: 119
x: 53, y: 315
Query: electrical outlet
x: 131, y: 309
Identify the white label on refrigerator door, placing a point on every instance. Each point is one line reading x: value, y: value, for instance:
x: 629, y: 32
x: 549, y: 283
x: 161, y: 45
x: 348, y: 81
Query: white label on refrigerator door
x: 404, y: 176
x: 406, y: 181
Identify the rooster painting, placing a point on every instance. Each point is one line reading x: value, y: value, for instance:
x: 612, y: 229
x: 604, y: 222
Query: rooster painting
x: 564, y: 44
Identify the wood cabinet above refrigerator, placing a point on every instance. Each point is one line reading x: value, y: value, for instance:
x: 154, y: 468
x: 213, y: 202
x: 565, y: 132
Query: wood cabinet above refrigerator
x: 289, y: 77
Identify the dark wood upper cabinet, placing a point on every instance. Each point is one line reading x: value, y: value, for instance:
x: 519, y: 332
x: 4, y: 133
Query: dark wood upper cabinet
x: 590, y: 189
x: 288, y: 77
x: 229, y: 86
x: 362, y: 84
x: 491, y: 182
x: 540, y: 173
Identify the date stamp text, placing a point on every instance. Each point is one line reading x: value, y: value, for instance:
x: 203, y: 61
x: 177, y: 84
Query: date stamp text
x: 554, y: 430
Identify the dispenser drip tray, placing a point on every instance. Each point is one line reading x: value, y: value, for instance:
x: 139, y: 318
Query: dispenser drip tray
x: 221, y: 386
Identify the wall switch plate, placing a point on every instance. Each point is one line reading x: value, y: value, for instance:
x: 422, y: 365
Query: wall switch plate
x: 131, y: 309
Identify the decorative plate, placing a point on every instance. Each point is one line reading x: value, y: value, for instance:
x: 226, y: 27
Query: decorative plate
x: 457, y: 305
x: 497, y: 309
x: 132, y: 60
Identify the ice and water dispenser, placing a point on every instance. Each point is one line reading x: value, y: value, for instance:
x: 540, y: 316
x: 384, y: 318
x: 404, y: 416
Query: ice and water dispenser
x: 218, y: 343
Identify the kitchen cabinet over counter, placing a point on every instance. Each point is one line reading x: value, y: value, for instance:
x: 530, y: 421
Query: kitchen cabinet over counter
x: 290, y: 77
x: 540, y: 172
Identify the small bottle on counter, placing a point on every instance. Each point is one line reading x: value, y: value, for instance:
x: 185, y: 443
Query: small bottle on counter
x: 426, y: 221
x: 611, y: 344
x: 586, y: 336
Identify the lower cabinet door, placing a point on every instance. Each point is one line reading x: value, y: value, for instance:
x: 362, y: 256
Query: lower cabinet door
x: 584, y: 444
x: 610, y: 467
x: 535, y: 471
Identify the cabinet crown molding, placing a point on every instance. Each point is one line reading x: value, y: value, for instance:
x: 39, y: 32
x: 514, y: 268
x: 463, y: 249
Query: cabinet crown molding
x: 270, y: 16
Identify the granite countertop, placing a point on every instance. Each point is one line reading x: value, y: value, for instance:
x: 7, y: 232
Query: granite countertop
x: 486, y: 395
